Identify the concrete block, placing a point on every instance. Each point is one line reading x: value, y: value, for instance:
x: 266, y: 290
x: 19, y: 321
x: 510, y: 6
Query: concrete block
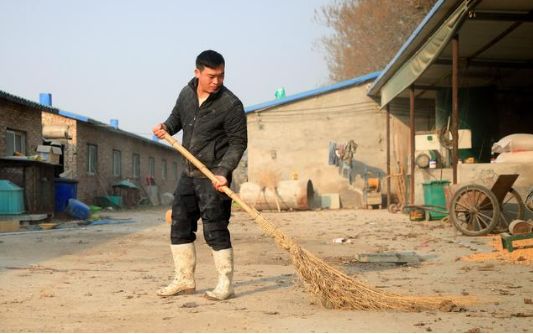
x: 9, y: 226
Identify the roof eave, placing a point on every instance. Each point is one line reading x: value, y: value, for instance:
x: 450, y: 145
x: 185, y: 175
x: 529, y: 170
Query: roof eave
x: 28, y: 103
x: 417, y: 38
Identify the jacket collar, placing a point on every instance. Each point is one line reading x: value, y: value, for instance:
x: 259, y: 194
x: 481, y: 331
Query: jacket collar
x: 194, y: 85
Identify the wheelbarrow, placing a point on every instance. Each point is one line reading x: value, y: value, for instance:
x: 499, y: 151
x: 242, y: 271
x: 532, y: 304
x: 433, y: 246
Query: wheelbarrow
x: 476, y: 210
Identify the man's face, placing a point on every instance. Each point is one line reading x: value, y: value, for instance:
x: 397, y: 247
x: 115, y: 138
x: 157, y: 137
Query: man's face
x: 210, y: 79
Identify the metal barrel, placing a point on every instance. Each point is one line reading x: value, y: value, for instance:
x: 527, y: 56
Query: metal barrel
x: 289, y: 194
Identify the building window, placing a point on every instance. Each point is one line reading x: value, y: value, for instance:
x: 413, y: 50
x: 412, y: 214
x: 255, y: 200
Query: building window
x: 117, y: 163
x: 164, y: 169
x: 151, y: 167
x: 15, y: 142
x: 136, y: 165
x: 175, y: 168
x: 92, y: 158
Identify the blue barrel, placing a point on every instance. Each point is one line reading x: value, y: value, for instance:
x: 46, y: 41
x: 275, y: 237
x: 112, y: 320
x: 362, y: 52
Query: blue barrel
x: 11, y: 198
x: 78, y: 209
x: 65, y: 189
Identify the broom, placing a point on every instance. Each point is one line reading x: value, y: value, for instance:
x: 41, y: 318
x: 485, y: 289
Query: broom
x: 333, y: 288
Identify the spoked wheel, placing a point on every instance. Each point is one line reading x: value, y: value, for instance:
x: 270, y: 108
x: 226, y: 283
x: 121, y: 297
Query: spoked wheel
x: 529, y: 201
x: 474, y: 210
x: 512, y: 208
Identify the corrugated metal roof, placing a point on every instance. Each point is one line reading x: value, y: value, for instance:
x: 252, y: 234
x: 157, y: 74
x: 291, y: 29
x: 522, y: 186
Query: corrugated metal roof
x: 311, y: 93
x: 428, y: 24
x: 105, y: 126
x: 17, y: 99
x: 78, y: 117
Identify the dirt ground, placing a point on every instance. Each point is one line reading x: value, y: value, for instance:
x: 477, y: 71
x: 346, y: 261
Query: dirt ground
x: 103, y: 278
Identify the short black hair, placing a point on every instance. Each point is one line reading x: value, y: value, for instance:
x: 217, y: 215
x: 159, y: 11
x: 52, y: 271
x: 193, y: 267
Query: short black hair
x: 209, y: 58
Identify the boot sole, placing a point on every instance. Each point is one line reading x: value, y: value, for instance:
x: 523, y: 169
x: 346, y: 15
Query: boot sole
x: 181, y: 292
x: 208, y: 297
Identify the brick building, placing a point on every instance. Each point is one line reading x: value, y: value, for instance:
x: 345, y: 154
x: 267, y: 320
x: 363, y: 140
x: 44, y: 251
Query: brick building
x: 95, y: 154
x: 20, y: 124
x: 20, y: 134
x: 99, y: 155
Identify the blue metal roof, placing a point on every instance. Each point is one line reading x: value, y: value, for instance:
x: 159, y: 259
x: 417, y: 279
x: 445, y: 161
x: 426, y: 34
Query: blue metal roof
x: 310, y: 93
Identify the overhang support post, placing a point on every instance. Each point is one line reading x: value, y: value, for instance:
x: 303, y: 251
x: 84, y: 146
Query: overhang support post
x: 455, y: 106
x: 412, y: 143
x: 388, y: 156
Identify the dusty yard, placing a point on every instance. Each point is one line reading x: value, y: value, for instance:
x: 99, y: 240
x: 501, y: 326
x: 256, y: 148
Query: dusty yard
x: 103, y: 278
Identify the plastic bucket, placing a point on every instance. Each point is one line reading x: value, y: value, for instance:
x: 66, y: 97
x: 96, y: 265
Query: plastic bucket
x: 434, y: 196
x: 11, y: 198
x: 65, y: 189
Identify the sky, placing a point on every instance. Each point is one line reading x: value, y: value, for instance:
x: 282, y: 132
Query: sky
x: 128, y: 59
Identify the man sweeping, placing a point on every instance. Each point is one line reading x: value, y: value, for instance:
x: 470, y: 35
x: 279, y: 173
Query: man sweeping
x: 214, y: 130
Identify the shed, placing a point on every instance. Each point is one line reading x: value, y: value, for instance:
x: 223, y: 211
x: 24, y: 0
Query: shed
x: 292, y: 137
x: 473, y: 59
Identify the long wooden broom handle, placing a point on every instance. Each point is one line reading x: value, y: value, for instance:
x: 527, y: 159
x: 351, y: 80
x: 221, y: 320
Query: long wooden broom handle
x: 202, y: 168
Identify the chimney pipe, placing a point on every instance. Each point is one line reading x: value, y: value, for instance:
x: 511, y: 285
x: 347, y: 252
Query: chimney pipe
x: 114, y: 123
x: 45, y: 99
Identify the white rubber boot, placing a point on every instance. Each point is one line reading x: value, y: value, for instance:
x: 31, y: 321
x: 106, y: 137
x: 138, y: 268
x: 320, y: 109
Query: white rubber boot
x: 184, y: 256
x: 224, y: 265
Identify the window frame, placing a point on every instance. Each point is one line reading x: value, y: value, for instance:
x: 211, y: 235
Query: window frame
x: 92, y: 164
x: 14, y: 133
x: 151, y: 167
x: 116, y: 163
x: 164, y: 169
x: 136, y: 165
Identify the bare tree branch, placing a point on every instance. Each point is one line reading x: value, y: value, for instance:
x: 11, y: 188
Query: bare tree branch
x: 367, y: 33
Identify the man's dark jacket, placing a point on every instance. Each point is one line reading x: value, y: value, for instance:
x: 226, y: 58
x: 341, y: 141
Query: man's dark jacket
x: 215, y: 132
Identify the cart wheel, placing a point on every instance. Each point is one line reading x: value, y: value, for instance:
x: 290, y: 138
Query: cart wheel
x: 393, y: 208
x: 529, y: 201
x: 474, y: 210
x: 512, y: 208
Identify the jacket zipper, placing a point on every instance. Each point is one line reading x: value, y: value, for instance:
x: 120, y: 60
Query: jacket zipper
x: 195, y: 118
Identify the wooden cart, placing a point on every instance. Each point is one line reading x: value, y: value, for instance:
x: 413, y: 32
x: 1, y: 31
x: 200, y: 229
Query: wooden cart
x: 476, y: 210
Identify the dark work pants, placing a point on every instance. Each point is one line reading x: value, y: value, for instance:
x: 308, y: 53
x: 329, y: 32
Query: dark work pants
x: 197, y: 198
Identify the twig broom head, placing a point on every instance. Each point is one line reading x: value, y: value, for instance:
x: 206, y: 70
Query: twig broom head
x: 337, y: 290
